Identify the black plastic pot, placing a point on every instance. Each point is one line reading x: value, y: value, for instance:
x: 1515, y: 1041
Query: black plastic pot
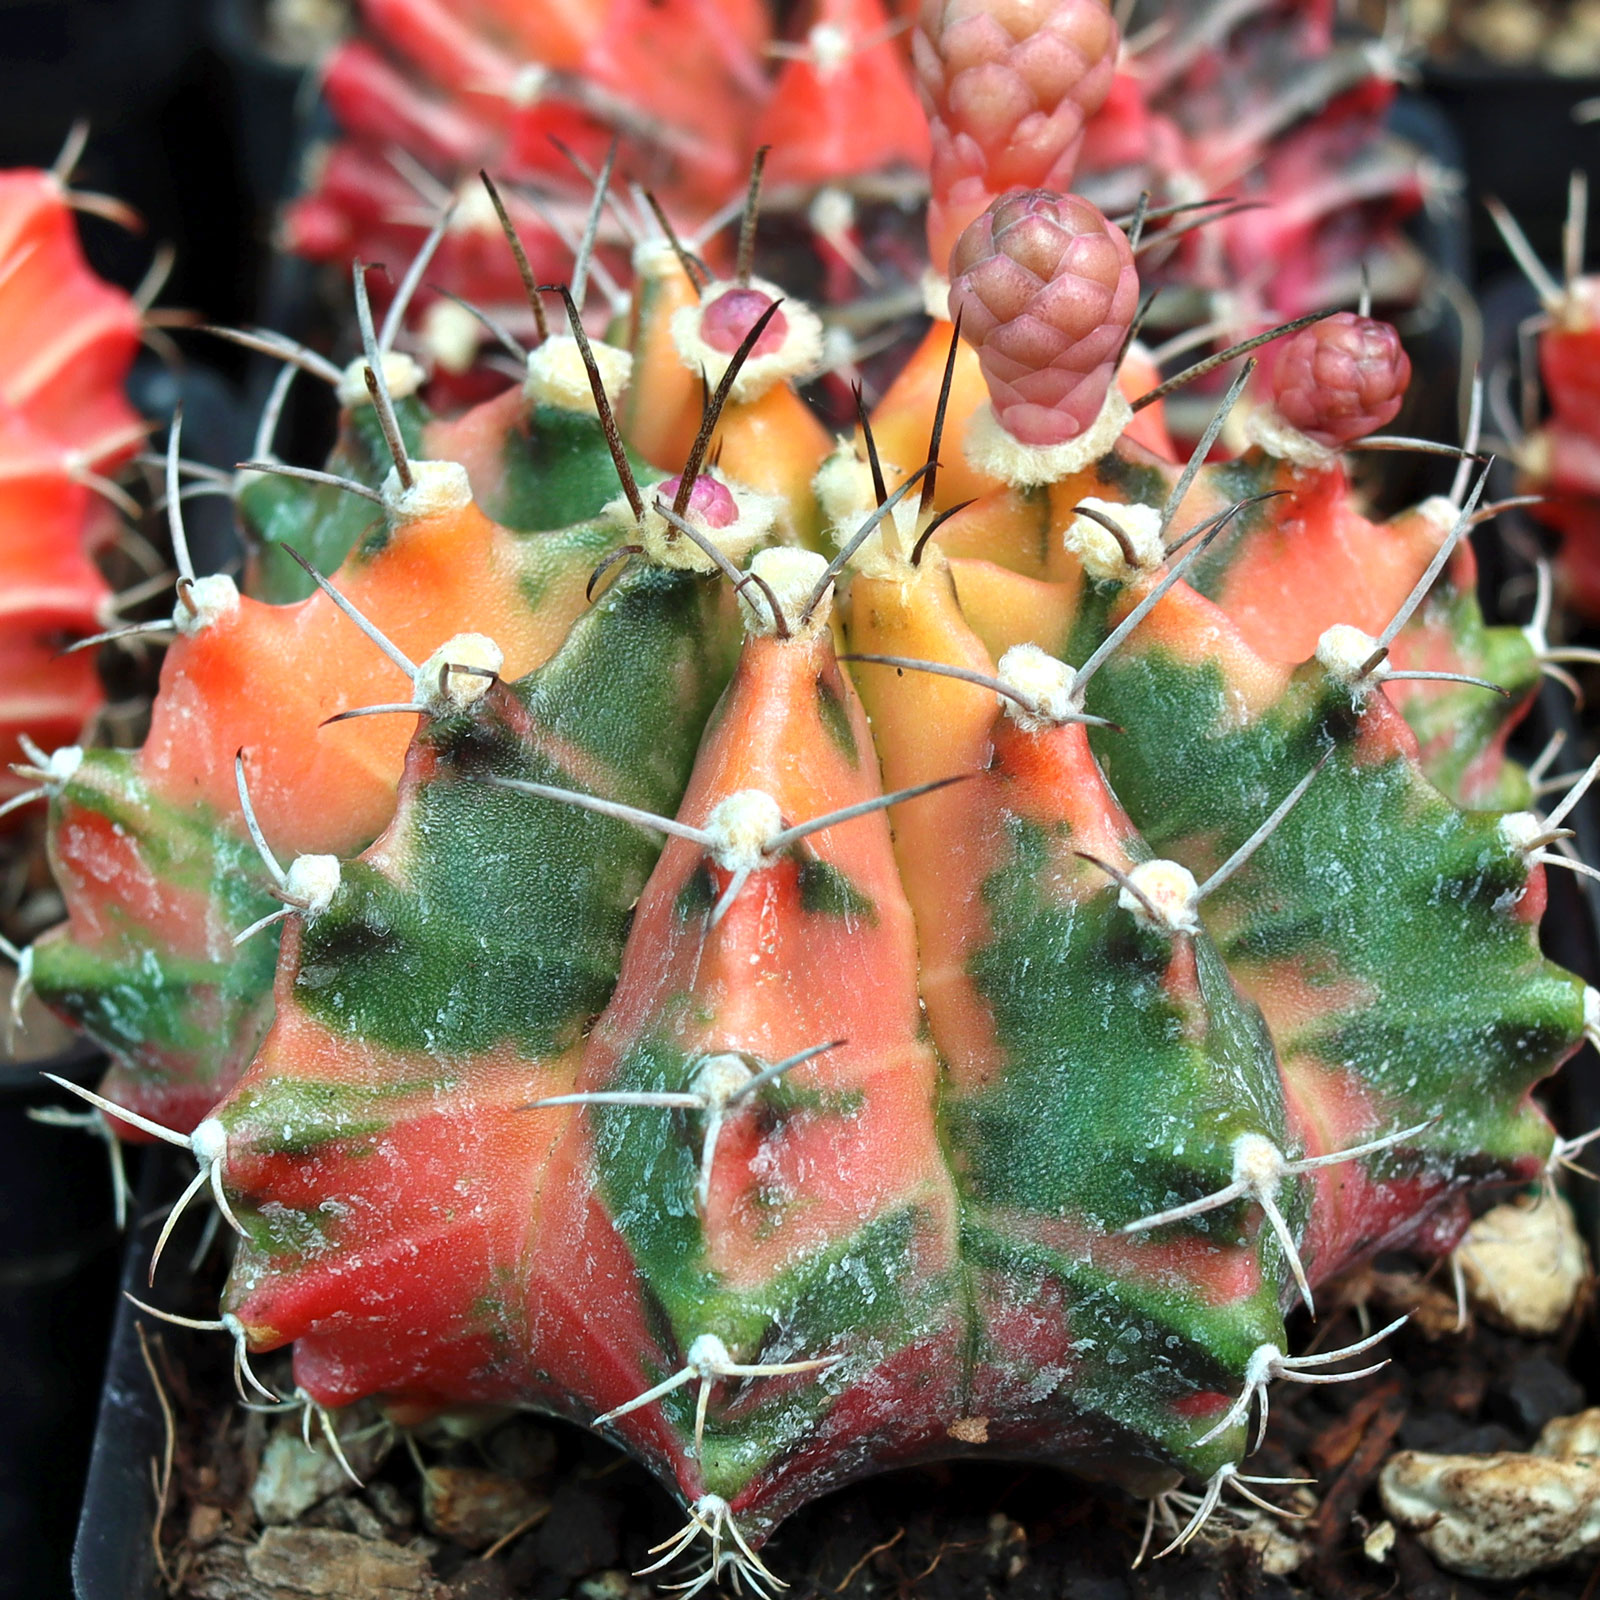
x: 59, y: 1253
x: 114, y: 1557
x: 1519, y: 141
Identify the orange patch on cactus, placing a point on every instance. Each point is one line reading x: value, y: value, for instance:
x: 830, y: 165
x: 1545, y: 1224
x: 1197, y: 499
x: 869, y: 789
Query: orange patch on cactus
x: 776, y: 977
x: 265, y: 678
x: 1321, y: 562
x: 1005, y: 608
x: 903, y: 420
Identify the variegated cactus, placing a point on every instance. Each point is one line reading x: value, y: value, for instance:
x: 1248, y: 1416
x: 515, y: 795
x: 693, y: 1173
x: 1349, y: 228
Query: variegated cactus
x: 855, y: 951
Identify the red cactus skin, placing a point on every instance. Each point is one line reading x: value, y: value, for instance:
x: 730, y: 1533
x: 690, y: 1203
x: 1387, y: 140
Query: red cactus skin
x: 1046, y: 290
x: 67, y: 341
x: 1008, y: 89
x: 844, y: 105
x: 1562, y: 459
x: 1341, y: 379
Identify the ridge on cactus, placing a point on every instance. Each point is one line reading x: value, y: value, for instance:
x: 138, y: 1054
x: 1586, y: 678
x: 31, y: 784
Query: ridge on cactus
x: 67, y: 341
x: 803, y: 954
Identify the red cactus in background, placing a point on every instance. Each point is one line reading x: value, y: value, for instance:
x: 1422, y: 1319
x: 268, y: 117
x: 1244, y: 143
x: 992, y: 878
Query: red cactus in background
x: 67, y: 341
x: 1270, y: 106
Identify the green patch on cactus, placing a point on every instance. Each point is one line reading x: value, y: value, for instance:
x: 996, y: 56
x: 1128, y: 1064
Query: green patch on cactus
x: 323, y: 522
x: 504, y: 916
x: 1461, y: 728
x: 546, y: 559
x: 1140, y: 1348
x: 834, y: 714
x: 1403, y: 905
x: 300, y: 1116
x: 557, y: 470
x: 824, y: 889
x: 145, y: 1004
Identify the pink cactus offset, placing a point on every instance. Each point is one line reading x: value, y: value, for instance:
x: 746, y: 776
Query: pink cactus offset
x: 1009, y: 86
x: 1341, y: 379
x: 1046, y: 290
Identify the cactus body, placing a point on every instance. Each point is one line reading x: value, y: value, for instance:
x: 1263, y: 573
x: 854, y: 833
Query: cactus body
x: 797, y: 1066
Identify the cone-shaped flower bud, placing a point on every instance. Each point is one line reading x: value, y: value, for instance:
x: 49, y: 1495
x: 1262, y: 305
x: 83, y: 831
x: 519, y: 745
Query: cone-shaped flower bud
x: 1341, y: 379
x: 1008, y: 85
x: 1046, y: 289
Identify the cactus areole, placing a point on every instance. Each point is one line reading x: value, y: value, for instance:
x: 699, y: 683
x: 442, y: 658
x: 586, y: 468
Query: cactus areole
x: 839, y: 961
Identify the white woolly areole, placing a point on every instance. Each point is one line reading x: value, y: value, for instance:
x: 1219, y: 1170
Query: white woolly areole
x: 1097, y: 549
x: 527, y: 85
x: 991, y: 449
x: 61, y: 766
x: 1591, y: 1008
x: 1345, y: 650
x: 847, y: 498
x: 654, y: 259
x: 843, y: 486
x: 401, y: 375
x: 1266, y: 427
x: 886, y: 551
x: 668, y: 546
x: 708, y: 1355
x: 313, y: 881
x: 450, y: 335
x: 474, y: 211
x: 1170, y: 888
x: 1441, y: 511
x: 720, y: 1076
x: 798, y: 355
x: 1049, y: 685
x: 437, y: 487
x: 740, y: 827
x: 1258, y: 1162
x: 558, y: 377
x: 209, y: 1142
x: 435, y: 685
x: 792, y: 575
x: 213, y: 598
x: 833, y: 212
x: 935, y: 289
x: 1519, y: 829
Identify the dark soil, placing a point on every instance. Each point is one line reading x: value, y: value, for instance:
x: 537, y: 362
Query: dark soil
x: 527, y: 1507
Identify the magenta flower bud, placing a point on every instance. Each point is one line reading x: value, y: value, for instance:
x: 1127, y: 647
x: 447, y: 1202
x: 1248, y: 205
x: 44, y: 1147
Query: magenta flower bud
x: 710, y: 503
x: 1341, y: 379
x: 725, y: 321
x: 1008, y: 86
x: 1046, y: 289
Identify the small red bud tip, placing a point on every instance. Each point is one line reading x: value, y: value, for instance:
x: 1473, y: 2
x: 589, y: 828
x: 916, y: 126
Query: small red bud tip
x: 1341, y: 379
x: 710, y: 503
x: 1046, y: 289
x: 1008, y: 86
x: 725, y: 321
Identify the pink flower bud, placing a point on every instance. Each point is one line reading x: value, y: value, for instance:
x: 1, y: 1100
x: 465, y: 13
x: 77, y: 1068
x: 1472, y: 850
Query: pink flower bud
x: 1008, y: 86
x: 1046, y: 289
x: 1341, y: 379
x: 710, y: 503
x: 727, y: 320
